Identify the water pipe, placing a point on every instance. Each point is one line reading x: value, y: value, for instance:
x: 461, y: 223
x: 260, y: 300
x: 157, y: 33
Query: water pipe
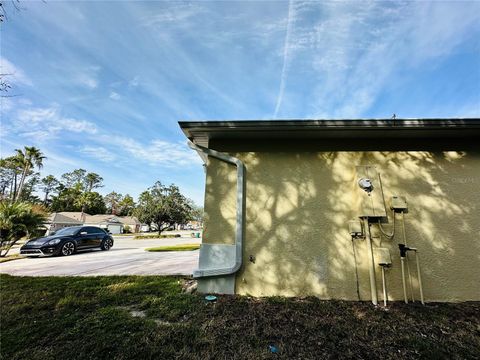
x: 403, y: 253
x: 233, y: 268
x: 420, y: 285
x: 371, y: 262
x: 402, y: 260
x: 406, y: 258
x: 384, y: 284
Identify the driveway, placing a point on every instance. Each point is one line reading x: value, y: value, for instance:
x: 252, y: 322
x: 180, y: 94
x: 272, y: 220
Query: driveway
x: 127, y: 257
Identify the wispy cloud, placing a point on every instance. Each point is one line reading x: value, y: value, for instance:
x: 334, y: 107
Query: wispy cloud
x: 114, y: 95
x: 134, y: 82
x: 99, y: 153
x: 156, y: 152
x: 13, y: 73
x: 286, y: 56
x: 46, y: 123
x: 87, y: 76
x: 176, y: 14
x: 352, y: 51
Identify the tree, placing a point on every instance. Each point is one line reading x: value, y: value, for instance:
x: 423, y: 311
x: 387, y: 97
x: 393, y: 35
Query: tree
x: 30, y: 157
x: 197, y: 213
x: 91, y: 202
x: 112, y: 201
x: 10, y: 168
x: 74, y: 178
x: 126, y: 206
x: 18, y: 219
x: 164, y: 206
x: 92, y: 181
x: 66, y: 200
x: 29, y: 188
x: 48, y: 184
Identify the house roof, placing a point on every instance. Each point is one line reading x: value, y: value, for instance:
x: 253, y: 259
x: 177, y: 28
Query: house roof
x: 202, y: 132
x: 129, y: 220
x: 61, y: 218
x: 102, y: 219
x: 76, y: 215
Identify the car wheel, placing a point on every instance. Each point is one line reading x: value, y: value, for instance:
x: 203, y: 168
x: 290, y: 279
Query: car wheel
x: 107, y: 244
x: 67, y: 249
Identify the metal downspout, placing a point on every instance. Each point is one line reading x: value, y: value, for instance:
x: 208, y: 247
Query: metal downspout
x: 240, y: 212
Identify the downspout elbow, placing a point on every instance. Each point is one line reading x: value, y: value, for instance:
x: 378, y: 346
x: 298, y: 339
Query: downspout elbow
x: 240, y: 217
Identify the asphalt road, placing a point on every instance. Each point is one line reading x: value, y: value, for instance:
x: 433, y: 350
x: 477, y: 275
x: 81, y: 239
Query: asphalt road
x: 127, y: 257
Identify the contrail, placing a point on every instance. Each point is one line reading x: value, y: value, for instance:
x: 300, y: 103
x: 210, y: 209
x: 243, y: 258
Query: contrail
x: 286, y: 56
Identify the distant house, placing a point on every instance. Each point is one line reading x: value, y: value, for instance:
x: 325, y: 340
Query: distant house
x: 132, y: 222
x: 59, y: 220
x: 110, y: 222
x: 114, y: 224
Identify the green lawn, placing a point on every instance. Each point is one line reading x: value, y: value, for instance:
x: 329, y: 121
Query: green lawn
x: 182, y: 247
x: 156, y: 236
x: 132, y: 317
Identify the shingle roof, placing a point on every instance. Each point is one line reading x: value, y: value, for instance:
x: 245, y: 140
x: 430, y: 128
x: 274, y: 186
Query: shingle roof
x: 61, y: 218
x: 129, y: 220
x: 102, y: 218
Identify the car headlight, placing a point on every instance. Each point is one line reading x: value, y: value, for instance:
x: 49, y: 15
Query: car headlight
x: 53, y: 242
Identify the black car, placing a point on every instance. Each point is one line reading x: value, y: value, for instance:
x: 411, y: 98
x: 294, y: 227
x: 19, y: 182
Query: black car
x: 68, y: 240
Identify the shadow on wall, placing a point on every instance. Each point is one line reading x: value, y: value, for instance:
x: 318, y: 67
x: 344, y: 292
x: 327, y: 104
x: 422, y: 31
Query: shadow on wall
x: 299, y: 203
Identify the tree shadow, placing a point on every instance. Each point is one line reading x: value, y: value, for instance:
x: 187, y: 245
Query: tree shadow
x: 301, y: 195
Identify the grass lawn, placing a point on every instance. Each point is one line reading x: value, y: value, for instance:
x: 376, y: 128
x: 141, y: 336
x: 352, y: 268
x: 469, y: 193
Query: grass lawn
x: 182, y: 247
x: 156, y: 236
x: 133, y: 317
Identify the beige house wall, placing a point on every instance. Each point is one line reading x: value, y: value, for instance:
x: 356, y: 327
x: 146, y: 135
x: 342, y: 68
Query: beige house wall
x: 298, y: 205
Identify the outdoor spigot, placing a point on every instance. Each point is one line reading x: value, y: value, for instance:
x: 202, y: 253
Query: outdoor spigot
x: 403, y: 250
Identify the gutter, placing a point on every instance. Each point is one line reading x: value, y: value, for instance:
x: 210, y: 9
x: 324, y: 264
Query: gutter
x: 240, y: 218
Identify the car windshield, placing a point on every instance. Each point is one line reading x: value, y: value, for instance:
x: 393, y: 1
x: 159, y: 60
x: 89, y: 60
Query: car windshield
x: 67, y: 231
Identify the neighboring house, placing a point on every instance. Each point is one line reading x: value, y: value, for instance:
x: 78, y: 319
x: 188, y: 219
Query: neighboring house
x: 132, y: 222
x: 110, y: 222
x: 114, y: 224
x: 293, y: 207
x: 75, y: 215
x: 60, y: 220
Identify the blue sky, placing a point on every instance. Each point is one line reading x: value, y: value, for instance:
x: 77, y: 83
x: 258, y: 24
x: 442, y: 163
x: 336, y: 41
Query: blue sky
x: 102, y: 85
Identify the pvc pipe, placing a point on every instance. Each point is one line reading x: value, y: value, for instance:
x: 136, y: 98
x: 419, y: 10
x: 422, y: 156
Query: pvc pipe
x: 240, y: 211
x: 406, y: 258
x: 419, y: 279
x: 402, y: 260
x: 371, y: 263
x: 384, y: 283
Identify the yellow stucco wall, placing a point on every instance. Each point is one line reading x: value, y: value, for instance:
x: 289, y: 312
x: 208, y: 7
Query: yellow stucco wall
x: 298, y: 206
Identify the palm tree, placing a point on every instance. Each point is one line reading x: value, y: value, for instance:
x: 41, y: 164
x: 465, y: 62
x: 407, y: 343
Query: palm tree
x: 17, y: 219
x: 29, y: 158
